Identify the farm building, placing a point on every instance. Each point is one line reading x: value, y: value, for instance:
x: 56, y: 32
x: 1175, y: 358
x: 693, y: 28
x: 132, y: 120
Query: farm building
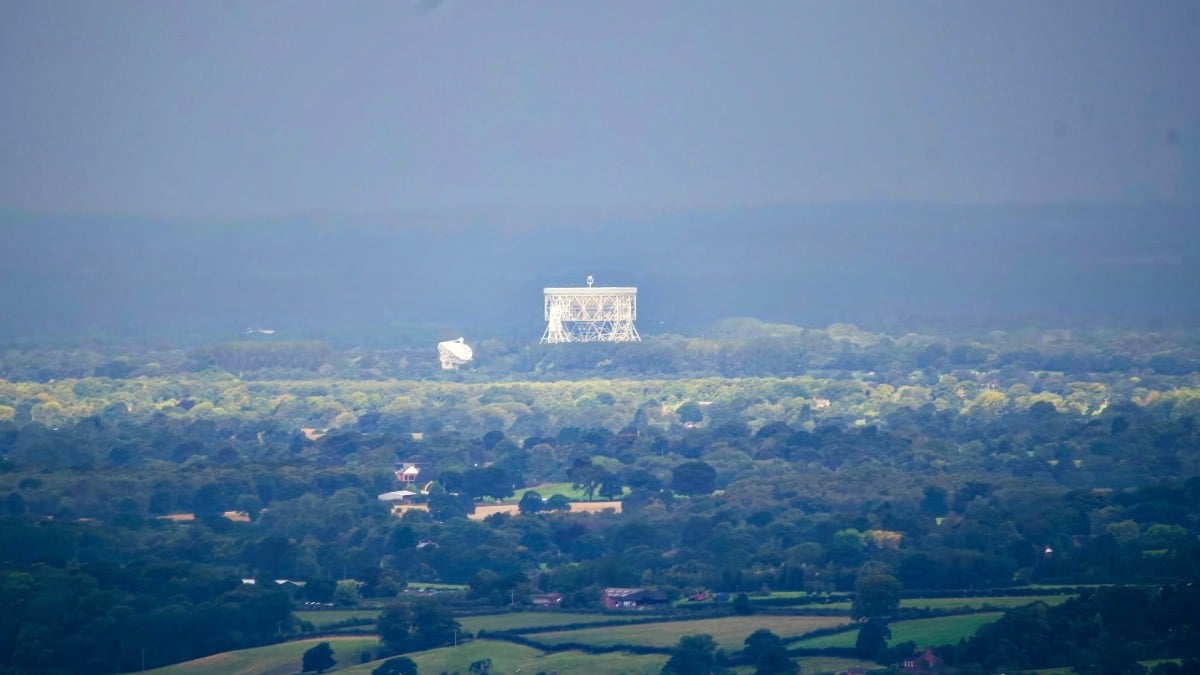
x: 629, y: 598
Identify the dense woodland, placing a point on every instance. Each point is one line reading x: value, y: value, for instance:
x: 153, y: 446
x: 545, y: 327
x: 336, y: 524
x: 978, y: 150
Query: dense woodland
x: 757, y: 458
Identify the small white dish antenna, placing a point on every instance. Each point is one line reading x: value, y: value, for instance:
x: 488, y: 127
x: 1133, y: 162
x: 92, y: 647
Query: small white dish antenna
x: 590, y: 281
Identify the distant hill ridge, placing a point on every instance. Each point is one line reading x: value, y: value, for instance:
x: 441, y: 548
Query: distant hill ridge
x: 873, y: 264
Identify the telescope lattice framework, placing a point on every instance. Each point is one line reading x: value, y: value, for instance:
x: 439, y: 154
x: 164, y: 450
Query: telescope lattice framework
x: 587, y: 314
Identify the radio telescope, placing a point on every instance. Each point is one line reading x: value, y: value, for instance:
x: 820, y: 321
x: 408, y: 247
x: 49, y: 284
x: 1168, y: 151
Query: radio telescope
x: 454, y: 353
x: 590, y: 314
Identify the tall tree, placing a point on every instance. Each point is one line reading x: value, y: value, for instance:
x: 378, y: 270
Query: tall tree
x: 393, y: 627
x: 585, y: 476
x: 872, y: 638
x: 875, y: 597
x: 432, y: 624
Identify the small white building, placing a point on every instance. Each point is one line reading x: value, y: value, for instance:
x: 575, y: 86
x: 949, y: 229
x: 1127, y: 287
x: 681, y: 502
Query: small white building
x: 396, y: 496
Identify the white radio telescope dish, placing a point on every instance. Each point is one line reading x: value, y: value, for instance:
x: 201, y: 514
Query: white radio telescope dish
x: 454, y: 353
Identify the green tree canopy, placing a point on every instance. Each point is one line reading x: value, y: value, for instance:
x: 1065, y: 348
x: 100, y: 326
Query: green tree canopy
x: 872, y: 638
x: 422, y: 624
x: 586, y: 476
x: 319, y: 658
x: 694, y: 655
x: 690, y: 412
x: 531, y: 502
x: 694, y: 478
x: 400, y: 665
x: 875, y: 597
x: 768, y: 654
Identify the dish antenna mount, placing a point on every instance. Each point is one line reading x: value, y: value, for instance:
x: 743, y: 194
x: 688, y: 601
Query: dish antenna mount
x: 591, y: 314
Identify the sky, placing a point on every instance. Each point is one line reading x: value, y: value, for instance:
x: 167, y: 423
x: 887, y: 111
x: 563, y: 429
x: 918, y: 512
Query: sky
x: 199, y: 109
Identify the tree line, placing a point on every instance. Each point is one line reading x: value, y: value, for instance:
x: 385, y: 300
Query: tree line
x: 939, y: 478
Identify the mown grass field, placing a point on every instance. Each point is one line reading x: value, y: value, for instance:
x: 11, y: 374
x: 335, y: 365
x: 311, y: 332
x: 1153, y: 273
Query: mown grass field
x: 518, y: 620
x: 936, y: 631
x: 942, y: 630
x: 280, y: 659
x: 434, y: 586
x: 546, y: 490
x: 509, y: 658
x: 322, y: 618
x: 1002, y: 602
x: 729, y: 632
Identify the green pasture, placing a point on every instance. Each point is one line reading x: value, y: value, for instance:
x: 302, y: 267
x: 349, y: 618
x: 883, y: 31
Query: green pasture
x: 546, y: 490
x: 997, y: 602
x: 729, y: 632
x: 322, y: 618
x: 280, y: 659
x: 940, y: 630
x: 1002, y: 602
x: 518, y: 620
x: 433, y: 586
x: 509, y: 658
x: 284, y: 659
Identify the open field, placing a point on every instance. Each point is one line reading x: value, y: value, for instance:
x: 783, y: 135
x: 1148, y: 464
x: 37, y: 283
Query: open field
x: 517, y: 620
x: 433, y: 586
x: 284, y: 659
x: 1001, y: 602
x: 1005, y: 602
x: 483, y: 511
x: 936, y: 631
x: 729, y: 632
x: 510, y: 658
x: 546, y: 490
x: 941, y: 630
x: 322, y: 618
x: 280, y: 659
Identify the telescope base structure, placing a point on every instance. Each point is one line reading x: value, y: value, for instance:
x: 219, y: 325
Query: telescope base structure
x: 590, y: 315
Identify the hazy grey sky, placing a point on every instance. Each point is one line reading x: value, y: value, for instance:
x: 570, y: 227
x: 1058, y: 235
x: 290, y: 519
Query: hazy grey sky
x: 252, y: 108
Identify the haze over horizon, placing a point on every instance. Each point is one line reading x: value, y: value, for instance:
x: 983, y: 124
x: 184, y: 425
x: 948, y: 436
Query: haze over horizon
x: 198, y: 167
